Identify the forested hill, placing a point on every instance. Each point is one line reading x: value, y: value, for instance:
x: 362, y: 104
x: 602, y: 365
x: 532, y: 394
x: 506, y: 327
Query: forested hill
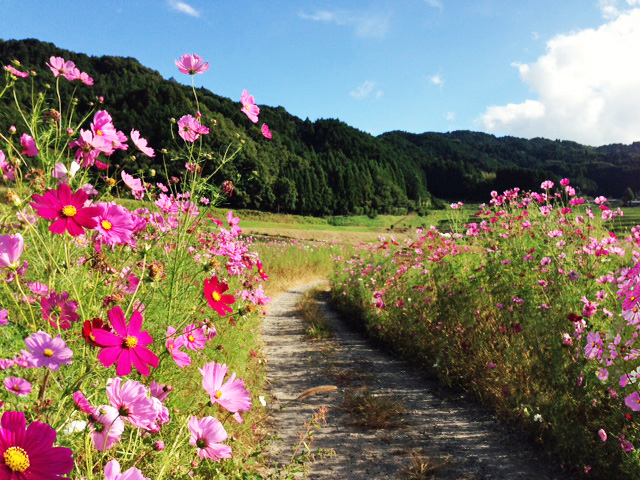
x: 322, y: 167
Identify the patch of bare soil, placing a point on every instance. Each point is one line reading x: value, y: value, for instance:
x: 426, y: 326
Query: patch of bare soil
x: 385, y: 420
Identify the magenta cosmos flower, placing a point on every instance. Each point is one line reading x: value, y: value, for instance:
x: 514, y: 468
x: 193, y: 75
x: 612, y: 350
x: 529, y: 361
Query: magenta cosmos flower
x: 67, y: 209
x: 28, y: 453
x: 232, y: 395
x: 191, y: 64
x: 206, y: 434
x: 265, y: 131
x: 58, y: 310
x: 189, y: 128
x: 249, y: 107
x: 141, y: 143
x: 214, y: 293
x: 127, y: 346
x: 11, y: 248
x: 45, y: 351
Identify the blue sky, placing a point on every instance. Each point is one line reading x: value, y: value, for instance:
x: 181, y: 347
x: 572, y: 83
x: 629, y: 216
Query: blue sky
x: 565, y: 69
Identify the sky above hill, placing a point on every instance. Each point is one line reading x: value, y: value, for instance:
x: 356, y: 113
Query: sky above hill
x: 565, y: 69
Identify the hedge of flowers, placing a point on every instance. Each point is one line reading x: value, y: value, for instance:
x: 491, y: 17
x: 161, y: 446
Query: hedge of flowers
x: 532, y: 304
x: 126, y: 332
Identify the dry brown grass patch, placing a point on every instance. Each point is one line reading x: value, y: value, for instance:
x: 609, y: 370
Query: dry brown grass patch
x: 373, y: 411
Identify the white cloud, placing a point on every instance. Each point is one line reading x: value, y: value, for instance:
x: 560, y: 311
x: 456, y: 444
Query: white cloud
x: 450, y: 116
x: 371, y: 25
x: 437, y: 80
x: 363, y: 90
x: 587, y: 87
x: 183, y: 7
x: 435, y: 4
x: 611, y: 9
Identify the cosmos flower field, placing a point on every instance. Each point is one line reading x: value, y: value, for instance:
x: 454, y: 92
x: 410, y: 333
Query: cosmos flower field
x: 531, y: 303
x: 127, y: 334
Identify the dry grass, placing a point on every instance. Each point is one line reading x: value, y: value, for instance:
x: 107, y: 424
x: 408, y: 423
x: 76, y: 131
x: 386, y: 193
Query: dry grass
x: 316, y: 326
x: 373, y: 411
x: 424, y: 468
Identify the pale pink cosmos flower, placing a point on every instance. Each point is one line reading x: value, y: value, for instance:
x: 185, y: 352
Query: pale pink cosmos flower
x: 17, y: 386
x: 86, y: 79
x: 547, y: 185
x: 135, y: 184
x: 112, y: 472
x: 173, y: 345
x: 189, y: 128
x: 141, y: 144
x: 232, y: 395
x: 63, y: 174
x: 60, y: 67
x: 90, y: 146
x: 11, y: 248
x: 249, y: 107
x: 265, y: 131
x: 206, y: 434
x: 600, y: 200
x: 45, y: 351
x: 15, y: 71
x: 29, y: 147
x: 131, y: 401
x: 190, y: 64
x: 8, y: 170
x: 107, y: 427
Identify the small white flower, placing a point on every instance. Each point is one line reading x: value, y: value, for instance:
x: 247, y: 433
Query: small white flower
x: 73, y: 427
x: 537, y: 417
x: 262, y: 401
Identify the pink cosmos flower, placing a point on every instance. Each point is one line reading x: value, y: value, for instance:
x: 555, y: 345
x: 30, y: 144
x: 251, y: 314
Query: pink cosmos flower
x: 112, y: 472
x: 564, y: 182
x: 114, y: 224
x: 594, y: 345
x: 63, y: 174
x: 141, y: 143
x: 60, y: 67
x: 249, y: 107
x: 11, y: 248
x: 29, y: 147
x: 135, y: 184
x: 265, y: 131
x: 90, y: 146
x: 17, y: 386
x: 86, y: 79
x: 82, y: 403
x: 8, y: 170
x: 58, y: 310
x: 633, y: 401
x: 602, y: 434
x: 28, y: 453
x: 189, y: 128
x: 206, y: 434
x: 173, y: 345
x: 191, y: 64
x: 15, y: 71
x: 547, y: 185
x: 4, y: 317
x: 67, y: 209
x: 131, y: 401
x: 194, y: 338
x: 45, y: 351
x: 232, y: 395
x: 106, y: 427
x: 103, y: 126
x: 127, y: 346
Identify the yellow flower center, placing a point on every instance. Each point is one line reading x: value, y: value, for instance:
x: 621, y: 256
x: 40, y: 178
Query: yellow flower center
x: 191, y: 338
x: 16, y: 459
x: 99, y: 132
x: 106, y: 224
x: 16, y: 388
x: 218, y: 394
x: 130, y: 342
x: 47, y: 352
x: 69, y: 211
x: 215, y: 296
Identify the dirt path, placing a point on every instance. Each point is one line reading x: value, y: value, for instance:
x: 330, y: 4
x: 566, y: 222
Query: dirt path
x: 434, y: 427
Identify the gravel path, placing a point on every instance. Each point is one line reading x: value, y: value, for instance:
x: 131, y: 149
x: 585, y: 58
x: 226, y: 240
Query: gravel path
x: 437, y: 427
